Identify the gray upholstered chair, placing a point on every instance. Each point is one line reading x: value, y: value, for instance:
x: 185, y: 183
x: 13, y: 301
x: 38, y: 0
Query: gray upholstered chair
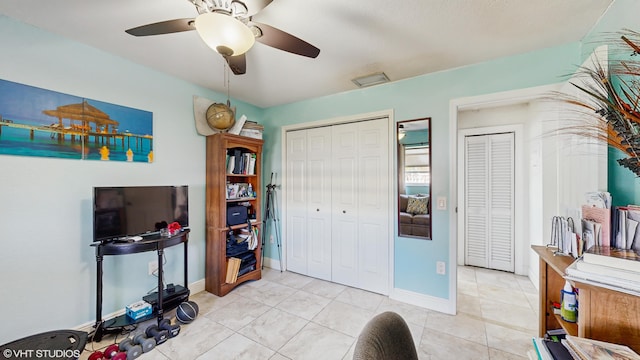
x: 385, y: 337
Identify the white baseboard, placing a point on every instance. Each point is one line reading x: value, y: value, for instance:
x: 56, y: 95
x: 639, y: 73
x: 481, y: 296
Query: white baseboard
x: 430, y: 302
x: 271, y: 263
x: 194, y: 288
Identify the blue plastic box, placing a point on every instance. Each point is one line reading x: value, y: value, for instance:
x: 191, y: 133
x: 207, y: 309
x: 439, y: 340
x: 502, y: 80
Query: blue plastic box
x: 138, y: 309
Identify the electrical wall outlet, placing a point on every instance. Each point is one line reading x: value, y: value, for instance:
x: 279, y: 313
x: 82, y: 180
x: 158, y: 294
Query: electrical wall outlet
x: 440, y: 268
x: 153, y: 267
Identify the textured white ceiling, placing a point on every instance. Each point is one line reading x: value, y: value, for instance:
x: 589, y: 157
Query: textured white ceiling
x: 356, y: 37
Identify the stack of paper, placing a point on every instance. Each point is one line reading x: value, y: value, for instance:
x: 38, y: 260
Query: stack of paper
x: 599, y: 199
x: 602, y: 278
x: 564, y: 237
x: 252, y: 129
x: 617, y: 269
x: 596, y: 226
x: 626, y: 232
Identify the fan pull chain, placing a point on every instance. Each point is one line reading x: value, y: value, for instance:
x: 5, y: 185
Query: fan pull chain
x: 226, y: 79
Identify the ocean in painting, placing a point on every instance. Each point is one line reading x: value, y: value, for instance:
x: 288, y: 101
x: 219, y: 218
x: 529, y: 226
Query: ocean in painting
x: 39, y: 122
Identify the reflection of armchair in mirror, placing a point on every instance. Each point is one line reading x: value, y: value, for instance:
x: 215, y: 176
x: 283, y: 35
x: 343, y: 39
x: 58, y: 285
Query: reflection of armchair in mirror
x: 414, y: 178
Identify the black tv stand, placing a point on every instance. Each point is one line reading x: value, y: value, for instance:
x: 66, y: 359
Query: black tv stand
x: 153, y: 242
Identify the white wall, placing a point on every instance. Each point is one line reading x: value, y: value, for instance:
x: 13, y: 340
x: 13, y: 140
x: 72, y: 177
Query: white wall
x: 47, y: 265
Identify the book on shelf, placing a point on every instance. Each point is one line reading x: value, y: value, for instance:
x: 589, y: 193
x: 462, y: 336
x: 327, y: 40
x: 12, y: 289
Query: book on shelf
x: 589, y: 349
x: 252, y: 165
x: 237, y: 156
x: 231, y: 163
x: 550, y: 345
x: 557, y: 350
x: 626, y: 259
x: 248, y: 163
x: 252, y: 125
x: 541, y: 349
x: 237, y: 126
x: 233, y: 266
x: 239, y: 162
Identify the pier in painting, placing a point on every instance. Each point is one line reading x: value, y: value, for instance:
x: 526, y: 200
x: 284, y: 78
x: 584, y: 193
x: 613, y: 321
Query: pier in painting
x: 124, y: 139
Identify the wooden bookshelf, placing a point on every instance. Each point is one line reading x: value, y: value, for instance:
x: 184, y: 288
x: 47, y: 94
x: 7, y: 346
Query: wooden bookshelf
x: 603, y: 314
x: 551, y: 283
x: 216, y: 209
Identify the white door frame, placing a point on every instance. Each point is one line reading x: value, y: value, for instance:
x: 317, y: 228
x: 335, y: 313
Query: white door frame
x: 393, y: 181
x: 475, y: 102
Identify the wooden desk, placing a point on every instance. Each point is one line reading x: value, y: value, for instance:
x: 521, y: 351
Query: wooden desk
x: 603, y: 314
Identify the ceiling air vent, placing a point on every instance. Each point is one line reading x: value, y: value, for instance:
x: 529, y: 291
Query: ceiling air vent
x: 370, y: 80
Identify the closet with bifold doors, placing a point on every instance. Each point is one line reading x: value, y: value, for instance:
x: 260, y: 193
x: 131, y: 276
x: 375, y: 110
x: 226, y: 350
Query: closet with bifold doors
x: 337, y: 191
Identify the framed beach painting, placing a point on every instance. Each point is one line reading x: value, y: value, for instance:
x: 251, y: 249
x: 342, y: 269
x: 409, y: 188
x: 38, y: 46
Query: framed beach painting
x: 40, y: 122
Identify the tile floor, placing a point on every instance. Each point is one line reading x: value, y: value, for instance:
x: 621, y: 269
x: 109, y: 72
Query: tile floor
x: 290, y: 316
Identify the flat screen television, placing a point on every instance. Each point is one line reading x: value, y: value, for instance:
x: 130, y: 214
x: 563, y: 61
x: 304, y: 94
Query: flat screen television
x: 122, y: 212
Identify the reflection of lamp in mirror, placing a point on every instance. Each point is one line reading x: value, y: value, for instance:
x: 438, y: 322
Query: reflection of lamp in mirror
x: 401, y: 132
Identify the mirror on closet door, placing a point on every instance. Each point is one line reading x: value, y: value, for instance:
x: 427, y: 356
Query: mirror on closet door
x: 414, y: 178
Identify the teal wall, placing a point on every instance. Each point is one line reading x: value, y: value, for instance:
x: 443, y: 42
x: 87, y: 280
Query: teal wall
x: 415, y: 137
x: 623, y: 184
x: 424, y: 96
x: 413, y: 190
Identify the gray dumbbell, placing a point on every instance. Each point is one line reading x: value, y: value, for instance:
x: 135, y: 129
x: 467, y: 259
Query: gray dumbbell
x: 145, y: 342
x: 133, y: 351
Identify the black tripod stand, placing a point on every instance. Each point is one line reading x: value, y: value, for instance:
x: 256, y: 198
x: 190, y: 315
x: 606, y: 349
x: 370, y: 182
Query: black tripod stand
x: 270, y: 214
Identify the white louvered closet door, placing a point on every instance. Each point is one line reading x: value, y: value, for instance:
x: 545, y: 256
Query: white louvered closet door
x: 489, y: 195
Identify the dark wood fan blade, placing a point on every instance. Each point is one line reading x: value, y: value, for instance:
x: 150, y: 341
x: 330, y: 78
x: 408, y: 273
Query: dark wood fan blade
x: 237, y: 64
x: 163, y: 27
x: 284, y: 41
x: 254, y: 6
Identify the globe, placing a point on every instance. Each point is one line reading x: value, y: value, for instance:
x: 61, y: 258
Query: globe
x: 220, y: 117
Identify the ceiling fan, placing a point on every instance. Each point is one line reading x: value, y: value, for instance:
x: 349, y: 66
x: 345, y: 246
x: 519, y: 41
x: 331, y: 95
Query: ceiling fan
x: 227, y: 27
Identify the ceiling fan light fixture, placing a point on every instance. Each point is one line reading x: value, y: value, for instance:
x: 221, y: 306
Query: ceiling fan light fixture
x: 370, y: 80
x: 224, y: 34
